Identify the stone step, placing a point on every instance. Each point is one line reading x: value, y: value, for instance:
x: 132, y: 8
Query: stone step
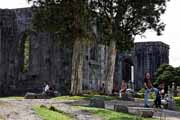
x: 141, y: 111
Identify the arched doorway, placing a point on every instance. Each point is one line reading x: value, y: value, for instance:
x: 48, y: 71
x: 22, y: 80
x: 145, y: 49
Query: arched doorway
x: 128, y: 72
x: 124, y: 70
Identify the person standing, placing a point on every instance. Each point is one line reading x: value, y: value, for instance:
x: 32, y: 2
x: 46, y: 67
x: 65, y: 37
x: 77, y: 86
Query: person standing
x: 148, y: 88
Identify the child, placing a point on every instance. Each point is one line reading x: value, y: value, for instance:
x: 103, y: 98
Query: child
x: 159, y: 95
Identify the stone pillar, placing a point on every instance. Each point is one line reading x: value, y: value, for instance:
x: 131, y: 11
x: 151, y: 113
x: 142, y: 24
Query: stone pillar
x: 132, y: 77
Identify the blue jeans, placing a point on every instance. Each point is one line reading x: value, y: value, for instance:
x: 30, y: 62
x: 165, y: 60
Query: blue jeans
x: 146, y: 94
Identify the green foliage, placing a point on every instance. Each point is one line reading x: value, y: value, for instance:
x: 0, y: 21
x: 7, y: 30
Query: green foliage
x: 141, y: 90
x: 26, y: 54
x: 47, y: 114
x: 111, y: 115
x: 122, y: 20
x: 65, y: 18
x: 119, y: 20
x: 177, y: 101
x: 177, y: 75
x: 140, y: 94
x: 168, y: 74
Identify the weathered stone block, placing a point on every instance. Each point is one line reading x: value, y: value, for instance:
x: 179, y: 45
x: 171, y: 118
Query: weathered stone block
x: 36, y: 96
x: 121, y: 108
x: 97, y: 102
x: 127, y: 98
x: 142, y: 112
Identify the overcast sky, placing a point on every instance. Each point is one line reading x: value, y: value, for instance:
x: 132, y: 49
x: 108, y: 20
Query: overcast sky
x: 170, y: 36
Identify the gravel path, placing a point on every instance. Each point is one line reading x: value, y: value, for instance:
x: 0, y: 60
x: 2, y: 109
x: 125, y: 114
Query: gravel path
x: 22, y: 109
x: 17, y: 110
x: 79, y: 114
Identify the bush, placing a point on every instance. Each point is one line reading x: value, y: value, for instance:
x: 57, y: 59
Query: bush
x: 141, y: 90
x: 140, y: 94
x: 177, y: 99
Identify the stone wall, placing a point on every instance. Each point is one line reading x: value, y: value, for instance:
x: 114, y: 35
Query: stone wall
x: 48, y: 61
x: 9, y: 62
x: 148, y: 57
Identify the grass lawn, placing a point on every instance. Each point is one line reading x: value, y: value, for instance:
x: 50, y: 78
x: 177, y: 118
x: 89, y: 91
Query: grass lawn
x: 111, y: 115
x: 87, y: 97
x: 64, y: 98
x: 177, y: 100
x: 47, y: 114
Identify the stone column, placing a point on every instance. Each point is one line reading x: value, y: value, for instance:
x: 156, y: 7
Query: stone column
x: 132, y: 77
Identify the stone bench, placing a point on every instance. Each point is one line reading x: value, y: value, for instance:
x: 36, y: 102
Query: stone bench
x: 97, y: 102
x: 139, y: 111
x: 142, y: 112
x: 121, y: 108
x: 36, y: 96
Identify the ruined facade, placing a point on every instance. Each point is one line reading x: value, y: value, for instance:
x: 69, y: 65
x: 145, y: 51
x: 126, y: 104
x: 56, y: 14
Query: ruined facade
x: 45, y: 60
x: 28, y: 59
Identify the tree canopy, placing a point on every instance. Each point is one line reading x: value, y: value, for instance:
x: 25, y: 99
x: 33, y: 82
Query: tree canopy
x: 128, y: 18
x: 168, y: 74
x: 59, y: 16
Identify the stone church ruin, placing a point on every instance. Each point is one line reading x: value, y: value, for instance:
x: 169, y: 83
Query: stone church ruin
x: 28, y: 59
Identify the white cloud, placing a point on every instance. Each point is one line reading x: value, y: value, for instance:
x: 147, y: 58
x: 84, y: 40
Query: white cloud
x: 13, y: 4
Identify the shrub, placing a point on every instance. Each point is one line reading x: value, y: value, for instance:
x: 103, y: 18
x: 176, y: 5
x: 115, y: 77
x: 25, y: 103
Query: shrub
x: 140, y: 94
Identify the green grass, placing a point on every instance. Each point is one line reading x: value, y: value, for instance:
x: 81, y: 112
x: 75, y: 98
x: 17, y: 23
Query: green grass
x: 110, y: 115
x: 47, y: 114
x: 177, y: 100
x: 64, y: 98
x: 87, y: 97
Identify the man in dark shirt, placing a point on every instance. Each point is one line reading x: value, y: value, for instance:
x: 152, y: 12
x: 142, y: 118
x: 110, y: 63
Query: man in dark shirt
x: 148, y: 88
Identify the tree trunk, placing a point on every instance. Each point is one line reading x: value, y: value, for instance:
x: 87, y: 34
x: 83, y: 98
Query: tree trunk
x: 110, y: 67
x: 77, y: 64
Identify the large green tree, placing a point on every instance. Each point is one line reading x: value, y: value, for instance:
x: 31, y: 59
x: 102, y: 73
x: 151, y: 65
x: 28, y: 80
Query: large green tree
x: 168, y: 74
x: 121, y: 21
x: 165, y: 73
x: 68, y: 20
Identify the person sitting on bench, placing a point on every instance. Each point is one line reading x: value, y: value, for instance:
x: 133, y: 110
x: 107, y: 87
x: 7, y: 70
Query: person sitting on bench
x: 159, y: 95
x: 123, y: 88
x: 46, y: 88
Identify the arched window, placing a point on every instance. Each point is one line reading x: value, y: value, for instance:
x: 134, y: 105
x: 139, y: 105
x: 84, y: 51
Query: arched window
x: 26, y: 53
x: 25, y: 48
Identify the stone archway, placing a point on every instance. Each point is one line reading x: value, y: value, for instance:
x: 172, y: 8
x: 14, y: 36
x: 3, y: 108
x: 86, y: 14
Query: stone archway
x: 124, y: 70
x: 128, y: 72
